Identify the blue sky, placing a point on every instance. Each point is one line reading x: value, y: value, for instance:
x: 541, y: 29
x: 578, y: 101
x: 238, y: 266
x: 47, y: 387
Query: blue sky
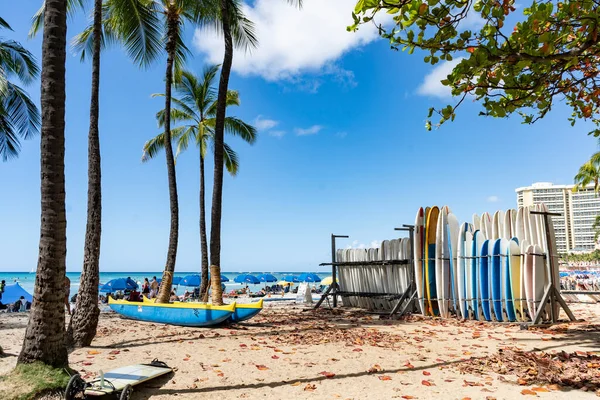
x: 342, y: 149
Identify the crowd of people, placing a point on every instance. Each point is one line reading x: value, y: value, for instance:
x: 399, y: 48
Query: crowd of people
x: 580, y: 282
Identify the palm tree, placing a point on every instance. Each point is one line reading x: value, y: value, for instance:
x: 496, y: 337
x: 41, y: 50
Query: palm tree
x: 44, y: 337
x: 589, y: 173
x: 228, y: 28
x: 19, y: 117
x: 196, y: 106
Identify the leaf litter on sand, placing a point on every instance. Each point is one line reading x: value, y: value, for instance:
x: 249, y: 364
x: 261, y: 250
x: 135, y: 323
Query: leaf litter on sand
x: 580, y: 370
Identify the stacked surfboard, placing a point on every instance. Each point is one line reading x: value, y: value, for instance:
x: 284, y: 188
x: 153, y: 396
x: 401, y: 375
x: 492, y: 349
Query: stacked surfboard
x: 375, y: 279
x: 490, y: 269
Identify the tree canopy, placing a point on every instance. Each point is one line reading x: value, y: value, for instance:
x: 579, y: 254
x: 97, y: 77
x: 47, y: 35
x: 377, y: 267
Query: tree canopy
x: 512, y: 60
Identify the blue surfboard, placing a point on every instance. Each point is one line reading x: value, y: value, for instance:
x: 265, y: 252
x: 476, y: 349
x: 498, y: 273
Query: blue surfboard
x: 475, y: 293
x: 484, y: 280
x: 496, y: 279
x: 507, y: 280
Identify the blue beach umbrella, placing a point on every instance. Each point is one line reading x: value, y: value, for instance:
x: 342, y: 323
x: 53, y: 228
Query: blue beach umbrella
x: 309, y: 277
x: 191, y: 280
x: 290, y: 278
x: 224, y: 278
x: 267, y: 278
x: 119, y: 284
x: 246, y: 278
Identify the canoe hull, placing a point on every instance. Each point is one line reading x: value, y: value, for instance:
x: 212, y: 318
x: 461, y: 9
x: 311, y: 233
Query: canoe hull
x: 181, y: 316
x: 244, y: 312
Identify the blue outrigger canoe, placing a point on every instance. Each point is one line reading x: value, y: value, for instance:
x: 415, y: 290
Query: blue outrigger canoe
x: 244, y: 312
x: 177, y: 313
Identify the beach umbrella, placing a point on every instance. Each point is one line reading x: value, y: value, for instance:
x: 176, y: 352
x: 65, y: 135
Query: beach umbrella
x: 191, y: 280
x: 290, y: 278
x: 176, y: 280
x: 13, y: 293
x: 327, y: 281
x: 246, y: 278
x: 223, y: 278
x: 285, y: 283
x: 118, y: 284
x: 309, y: 277
x: 267, y: 278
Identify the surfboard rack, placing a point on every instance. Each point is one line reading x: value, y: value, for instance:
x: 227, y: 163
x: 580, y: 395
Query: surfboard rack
x: 552, y: 294
x: 410, y: 294
x: 334, y: 289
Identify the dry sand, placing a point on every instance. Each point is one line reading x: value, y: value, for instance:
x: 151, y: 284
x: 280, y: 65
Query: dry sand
x: 291, y: 353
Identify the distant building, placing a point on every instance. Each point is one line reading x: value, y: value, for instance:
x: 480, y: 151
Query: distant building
x: 578, y: 211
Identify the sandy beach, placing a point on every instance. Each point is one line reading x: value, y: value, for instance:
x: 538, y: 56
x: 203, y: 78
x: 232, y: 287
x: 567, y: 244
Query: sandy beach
x: 291, y: 352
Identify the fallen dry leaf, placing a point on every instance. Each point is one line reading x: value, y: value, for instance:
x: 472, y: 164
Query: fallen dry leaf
x: 374, y: 368
x: 528, y: 392
x: 408, y: 397
x: 92, y: 352
x: 296, y: 384
x: 385, y: 378
x: 426, y: 373
x: 310, y: 388
x: 427, y: 383
x: 327, y: 374
x: 262, y: 367
x: 539, y: 389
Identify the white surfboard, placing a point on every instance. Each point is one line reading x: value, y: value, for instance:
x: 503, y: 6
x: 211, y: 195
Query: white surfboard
x: 476, y: 222
x: 452, y: 233
x: 419, y: 242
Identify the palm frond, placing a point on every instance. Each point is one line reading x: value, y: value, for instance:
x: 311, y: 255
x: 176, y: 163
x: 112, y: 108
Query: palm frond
x: 588, y: 173
x: 233, y: 99
x: 153, y: 146
x: 137, y: 25
x: 177, y: 115
x: 205, y: 93
x: 237, y: 127
x: 15, y: 59
x: 183, y: 134
x: 83, y: 43
x: 230, y: 160
x: 4, y: 24
x: 9, y: 141
x: 243, y: 30
x: 19, y: 118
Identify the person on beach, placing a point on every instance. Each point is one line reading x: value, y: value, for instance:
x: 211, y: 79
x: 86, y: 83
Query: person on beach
x: 67, y: 293
x: 174, y: 296
x: 153, y: 287
x: 2, y: 286
x: 146, y: 287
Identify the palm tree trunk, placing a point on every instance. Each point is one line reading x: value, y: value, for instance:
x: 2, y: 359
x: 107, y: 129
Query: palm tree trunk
x: 203, y: 240
x: 45, y: 334
x: 167, y: 278
x: 215, y: 216
x: 82, y: 327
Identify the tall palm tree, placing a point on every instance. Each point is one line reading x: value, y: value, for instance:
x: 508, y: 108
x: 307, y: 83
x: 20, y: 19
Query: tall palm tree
x: 196, y: 107
x: 44, y: 337
x: 19, y: 117
x: 589, y: 173
x: 228, y: 28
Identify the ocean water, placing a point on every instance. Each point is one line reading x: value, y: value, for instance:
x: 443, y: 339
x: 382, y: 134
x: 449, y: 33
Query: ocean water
x: 27, y: 280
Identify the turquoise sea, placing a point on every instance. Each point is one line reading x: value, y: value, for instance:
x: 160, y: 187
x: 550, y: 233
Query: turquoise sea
x: 27, y: 280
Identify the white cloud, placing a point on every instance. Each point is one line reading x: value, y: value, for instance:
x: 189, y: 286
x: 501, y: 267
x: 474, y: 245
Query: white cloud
x: 278, y: 134
x: 293, y: 41
x: 493, y: 199
x: 432, y: 86
x: 263, y: 124
x: 313, y: 130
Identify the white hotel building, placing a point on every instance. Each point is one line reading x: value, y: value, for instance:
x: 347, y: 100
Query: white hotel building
x: 578, y: 211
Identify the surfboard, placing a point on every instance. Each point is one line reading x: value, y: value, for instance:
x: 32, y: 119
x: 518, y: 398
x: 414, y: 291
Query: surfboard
x: 442, y: 263
x: 452, y: 236
x: 516, y: 277
x: 497, y: 224
x: 552, y: 253
x: 476, y: 222
x: 507, y: 288
x: 519, y: 225
x: 419, y: 240
x: 474, y: 275
x: 430, y: 241
x: 496, y: 281
x: 484, y: 279
x: 486, y: 225
x: 508, y: 228
x: 461, y: 270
